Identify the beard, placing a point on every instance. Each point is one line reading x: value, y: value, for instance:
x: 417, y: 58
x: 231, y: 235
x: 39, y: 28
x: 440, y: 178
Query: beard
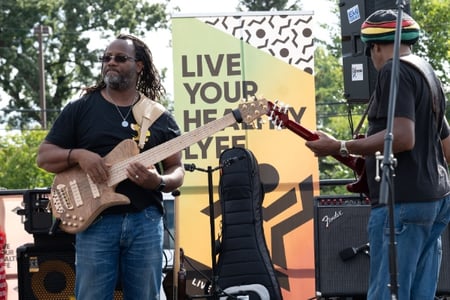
x: 118, y: 81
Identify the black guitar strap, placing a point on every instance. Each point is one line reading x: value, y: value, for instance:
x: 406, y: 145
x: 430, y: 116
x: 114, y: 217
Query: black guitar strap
x: 363, y: 118
x: 432, y: 81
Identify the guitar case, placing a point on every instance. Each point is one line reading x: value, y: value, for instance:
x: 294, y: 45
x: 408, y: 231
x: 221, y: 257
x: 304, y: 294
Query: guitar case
x: 244, y: 267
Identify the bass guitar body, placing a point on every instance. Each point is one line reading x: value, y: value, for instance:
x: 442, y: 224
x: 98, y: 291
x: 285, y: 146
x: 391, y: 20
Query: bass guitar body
x: 77, y: 200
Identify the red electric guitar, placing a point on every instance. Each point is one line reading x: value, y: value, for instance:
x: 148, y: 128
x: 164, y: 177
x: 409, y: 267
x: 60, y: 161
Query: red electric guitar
x: 279, y: 116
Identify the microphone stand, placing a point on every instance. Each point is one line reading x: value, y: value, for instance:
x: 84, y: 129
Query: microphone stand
x: 214, y: 278
x: 389, y: 162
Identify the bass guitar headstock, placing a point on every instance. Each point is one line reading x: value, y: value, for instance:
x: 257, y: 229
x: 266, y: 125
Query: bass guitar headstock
x: 252, y: 109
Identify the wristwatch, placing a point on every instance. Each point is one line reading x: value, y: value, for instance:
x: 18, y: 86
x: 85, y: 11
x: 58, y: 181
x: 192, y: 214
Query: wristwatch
x: 161, y: 185
x: 343, y: 151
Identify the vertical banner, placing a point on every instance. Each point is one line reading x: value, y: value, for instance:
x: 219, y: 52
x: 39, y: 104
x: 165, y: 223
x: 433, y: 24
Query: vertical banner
x: 218, y: 61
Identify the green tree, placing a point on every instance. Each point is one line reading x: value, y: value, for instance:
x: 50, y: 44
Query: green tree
x: 433, y: 17
x: 69, y: 61
x: 333, y: 111
x: 18, y: 161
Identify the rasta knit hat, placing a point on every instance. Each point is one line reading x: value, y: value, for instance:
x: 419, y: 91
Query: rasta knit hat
x: 380, y: 27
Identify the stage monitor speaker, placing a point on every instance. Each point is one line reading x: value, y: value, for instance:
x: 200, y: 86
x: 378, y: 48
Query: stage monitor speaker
x: 47, y: 273
x: 358, y: 70
x: 342, y: 251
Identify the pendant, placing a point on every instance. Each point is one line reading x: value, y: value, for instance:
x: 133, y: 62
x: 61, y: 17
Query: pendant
x: 124, y: 123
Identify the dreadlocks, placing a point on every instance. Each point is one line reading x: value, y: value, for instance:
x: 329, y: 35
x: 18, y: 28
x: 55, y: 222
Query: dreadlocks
x: 149, y: 81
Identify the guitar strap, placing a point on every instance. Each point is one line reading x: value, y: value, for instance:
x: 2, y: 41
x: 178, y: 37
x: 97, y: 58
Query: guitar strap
x: 430, y: 77
x: 145, y: 112
x: 363, y: 118
x: 432, y: 81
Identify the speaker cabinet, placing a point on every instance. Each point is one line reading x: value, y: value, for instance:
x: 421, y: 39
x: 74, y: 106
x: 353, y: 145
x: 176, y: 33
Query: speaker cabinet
x: 341, y: 250
x: 340, y: 223
x: 359, y: 73
x: 47, y: 273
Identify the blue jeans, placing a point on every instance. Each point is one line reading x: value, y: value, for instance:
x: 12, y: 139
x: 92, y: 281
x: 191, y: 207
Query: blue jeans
x: 125, y: 248
x: 418, y: 228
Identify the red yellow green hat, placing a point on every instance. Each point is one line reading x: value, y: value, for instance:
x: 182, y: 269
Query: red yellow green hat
x: 380, y: 27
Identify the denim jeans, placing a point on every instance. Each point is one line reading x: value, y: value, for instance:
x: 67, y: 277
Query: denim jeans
x: 418, y: 228
x: 125, y: 248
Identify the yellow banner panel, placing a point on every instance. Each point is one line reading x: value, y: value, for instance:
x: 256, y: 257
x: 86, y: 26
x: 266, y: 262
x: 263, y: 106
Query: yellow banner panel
x: 218, y: 61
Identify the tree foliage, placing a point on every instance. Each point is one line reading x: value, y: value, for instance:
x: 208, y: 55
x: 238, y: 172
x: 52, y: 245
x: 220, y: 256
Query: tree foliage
x: 433, y: 16
x: 18, y: 161
x: 70, y: 62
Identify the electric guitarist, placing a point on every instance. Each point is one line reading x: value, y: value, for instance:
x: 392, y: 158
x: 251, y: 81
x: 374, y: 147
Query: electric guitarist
x: 411, y: 202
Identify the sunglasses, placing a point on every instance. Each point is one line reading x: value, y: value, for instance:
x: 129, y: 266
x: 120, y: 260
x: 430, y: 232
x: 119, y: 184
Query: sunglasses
x: 117, y: 58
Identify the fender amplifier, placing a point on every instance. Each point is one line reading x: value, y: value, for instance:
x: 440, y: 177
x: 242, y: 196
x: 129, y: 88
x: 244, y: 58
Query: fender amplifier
x: 340, y: 223
x: 342, y: 249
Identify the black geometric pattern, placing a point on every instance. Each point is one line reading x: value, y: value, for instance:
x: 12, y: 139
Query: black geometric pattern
x: 288, y: 37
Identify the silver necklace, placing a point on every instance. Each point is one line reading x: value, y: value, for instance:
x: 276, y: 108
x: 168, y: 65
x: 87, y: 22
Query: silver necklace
x: 124, y: 119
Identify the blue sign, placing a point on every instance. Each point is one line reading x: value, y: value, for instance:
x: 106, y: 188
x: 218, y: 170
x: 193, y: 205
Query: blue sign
x: 353, y: 14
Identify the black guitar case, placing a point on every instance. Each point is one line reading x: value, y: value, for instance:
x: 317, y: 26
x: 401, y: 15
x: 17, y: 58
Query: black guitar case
x: 244, y: 267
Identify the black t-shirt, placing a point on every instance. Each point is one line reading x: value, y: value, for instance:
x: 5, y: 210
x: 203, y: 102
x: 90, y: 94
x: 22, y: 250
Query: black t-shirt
x: 94, y: 124
x: 422, y: 173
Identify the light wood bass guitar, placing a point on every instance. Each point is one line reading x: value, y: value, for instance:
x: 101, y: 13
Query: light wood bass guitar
x: 279, y: 117
x: 76, y: 200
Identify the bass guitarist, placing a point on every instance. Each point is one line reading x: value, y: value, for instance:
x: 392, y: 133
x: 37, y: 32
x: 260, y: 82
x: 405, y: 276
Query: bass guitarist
x: 124, y: 242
